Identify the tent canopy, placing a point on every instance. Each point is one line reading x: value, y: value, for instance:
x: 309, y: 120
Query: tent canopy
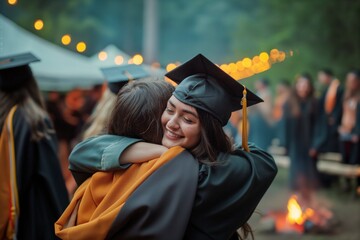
x: 60, y: 69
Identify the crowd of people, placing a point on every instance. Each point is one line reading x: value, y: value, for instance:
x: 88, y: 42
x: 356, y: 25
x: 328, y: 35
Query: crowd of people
x: 308, y: 122
x: 122, y: 140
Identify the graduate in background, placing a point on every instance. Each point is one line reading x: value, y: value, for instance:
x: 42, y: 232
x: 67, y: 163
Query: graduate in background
x: 283, y: 92
x: 32, y: 189
x: 301, y: 115
x: 349, y: 129
x: 330, y: 109
x: 260, y: 117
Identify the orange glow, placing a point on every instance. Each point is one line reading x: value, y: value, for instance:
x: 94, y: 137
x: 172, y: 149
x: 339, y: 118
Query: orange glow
x: 247, y: 62
x: 102, y: 56
x: 138, y: 59
x: 256, y: 59
x: 264, y: 57
x: 81, y: 47
x: 295, y: 214
x: 281, y: 56
x: 119, y: 60
x: 12, y: 2
x: 66, y: 39
x: 170, y: 67
x: 39, y: 24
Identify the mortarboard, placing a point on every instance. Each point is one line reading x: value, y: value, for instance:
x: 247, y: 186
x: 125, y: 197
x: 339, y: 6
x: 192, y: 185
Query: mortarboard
x: 117, y: 77
x: 15, y: 70
x: 204, y: 85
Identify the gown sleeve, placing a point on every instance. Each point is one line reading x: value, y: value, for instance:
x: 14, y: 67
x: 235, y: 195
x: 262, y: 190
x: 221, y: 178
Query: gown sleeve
x: 99, y: 153
x: 41, y: 187
x: 229, y: 192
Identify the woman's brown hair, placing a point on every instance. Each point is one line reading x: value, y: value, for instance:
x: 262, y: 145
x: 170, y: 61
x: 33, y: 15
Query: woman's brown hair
x: 28, y: 99
x: 138, y: 109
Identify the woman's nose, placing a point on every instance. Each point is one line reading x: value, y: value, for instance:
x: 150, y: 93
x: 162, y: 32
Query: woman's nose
x: 172, y: 123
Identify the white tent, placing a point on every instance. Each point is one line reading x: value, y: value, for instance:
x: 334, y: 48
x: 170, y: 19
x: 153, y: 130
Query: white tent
x: 60, y: 69
x: 112, y: 52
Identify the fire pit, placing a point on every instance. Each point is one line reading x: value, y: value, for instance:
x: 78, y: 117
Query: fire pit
x: 300, y: 218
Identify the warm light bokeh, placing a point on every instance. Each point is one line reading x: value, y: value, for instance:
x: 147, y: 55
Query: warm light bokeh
x: 81, y: 47
x: 66, y: 39
x: 138, y: 59
x: 102, y: 56
x: 170, y: 67
x: 12, y: 2
x: 38, y: 24
x: 119, y: 60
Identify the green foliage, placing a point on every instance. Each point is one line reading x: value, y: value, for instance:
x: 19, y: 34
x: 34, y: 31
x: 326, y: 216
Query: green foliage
x: 322, y: 33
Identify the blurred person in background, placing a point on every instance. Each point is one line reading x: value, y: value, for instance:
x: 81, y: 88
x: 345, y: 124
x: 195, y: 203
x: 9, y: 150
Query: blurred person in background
x: 260, y: 116
x: 326, y: 138
x: 32, y: 190
x: 349, y: 129
x: 283, y: 91
x: 301, y: 113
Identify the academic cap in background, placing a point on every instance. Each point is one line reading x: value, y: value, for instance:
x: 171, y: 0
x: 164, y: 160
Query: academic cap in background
x: 15, y: 70
x: 204, y: 85
x: 118, y: 76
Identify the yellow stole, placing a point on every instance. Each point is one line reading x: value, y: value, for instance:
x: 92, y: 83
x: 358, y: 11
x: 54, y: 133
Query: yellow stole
x: 9, y: 201
x: 98, y: 201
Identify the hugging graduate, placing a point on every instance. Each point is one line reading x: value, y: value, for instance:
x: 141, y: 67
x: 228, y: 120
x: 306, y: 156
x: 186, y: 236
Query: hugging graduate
x: 193, y: 186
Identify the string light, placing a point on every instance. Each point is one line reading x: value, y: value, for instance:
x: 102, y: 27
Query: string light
x: 38, y: 24
x: 102, y: 56
x: 66, y: 39
x: 119, y: 60
x: 138, y: 59
x: 12, y: 2
x: 81, y: 47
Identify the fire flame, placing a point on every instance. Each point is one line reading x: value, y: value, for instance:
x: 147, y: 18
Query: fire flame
x: 295, y: 213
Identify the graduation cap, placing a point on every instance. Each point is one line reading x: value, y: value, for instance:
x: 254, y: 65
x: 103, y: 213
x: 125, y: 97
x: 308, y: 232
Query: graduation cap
x: 204, y: 85
x: 15, y: 70
x: 117, y: 77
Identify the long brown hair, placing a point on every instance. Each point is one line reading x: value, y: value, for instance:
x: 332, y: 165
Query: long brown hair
x: 294, y: 100
x: 138, y: 109
x: 213, y: 139
x: 29, y: 100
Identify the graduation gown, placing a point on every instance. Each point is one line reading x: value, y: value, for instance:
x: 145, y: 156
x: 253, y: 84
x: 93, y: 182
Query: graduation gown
x: 326, y: 137
x: 300, y: 130
x: 141, y: 202
x: 40, y: 184
x: 226, y: 194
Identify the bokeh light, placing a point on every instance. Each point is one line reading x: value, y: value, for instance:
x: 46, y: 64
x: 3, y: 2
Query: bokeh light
x: 66, y: 39
x: 138, y: 59
x: 12, y: 2
x: 247, y: 62
x: 170, y: 67
x: 264, y: 57
x: 38, y: 24
x: 81, y: 47
x: 102, y: 56
x: 119, y: 60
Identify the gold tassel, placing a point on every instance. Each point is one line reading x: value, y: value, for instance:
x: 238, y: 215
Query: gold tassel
x: 244, y: 122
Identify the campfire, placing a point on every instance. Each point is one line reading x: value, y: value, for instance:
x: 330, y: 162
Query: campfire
x: 301, y: 217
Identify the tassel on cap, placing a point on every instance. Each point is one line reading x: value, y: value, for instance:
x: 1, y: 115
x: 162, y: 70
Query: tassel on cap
x: 244, y: 122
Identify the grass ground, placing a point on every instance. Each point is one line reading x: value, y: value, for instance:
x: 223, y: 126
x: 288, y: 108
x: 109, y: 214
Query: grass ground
x: 344, y: 205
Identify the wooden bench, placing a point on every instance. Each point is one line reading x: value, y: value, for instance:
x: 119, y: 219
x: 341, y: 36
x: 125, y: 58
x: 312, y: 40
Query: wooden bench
x: 329, y: 163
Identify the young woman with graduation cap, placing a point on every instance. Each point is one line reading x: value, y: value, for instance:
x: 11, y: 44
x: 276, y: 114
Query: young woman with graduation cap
x: 228, y: 187
x: 32, y: 189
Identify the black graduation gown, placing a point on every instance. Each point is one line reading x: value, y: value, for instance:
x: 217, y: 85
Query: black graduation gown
x: 326, y: 137
x: 226, y: 195
x: 41, y: 188
x: 300, y: 130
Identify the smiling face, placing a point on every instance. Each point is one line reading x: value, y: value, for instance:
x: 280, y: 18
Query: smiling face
x: 181, y: 125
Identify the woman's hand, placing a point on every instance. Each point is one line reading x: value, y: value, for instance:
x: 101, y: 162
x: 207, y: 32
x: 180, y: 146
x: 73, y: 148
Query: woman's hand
x: 142, y: 152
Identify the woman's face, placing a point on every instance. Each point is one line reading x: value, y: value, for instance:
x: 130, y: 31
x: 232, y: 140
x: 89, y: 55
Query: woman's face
x: 181, y: 125
x: 303, y: 87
